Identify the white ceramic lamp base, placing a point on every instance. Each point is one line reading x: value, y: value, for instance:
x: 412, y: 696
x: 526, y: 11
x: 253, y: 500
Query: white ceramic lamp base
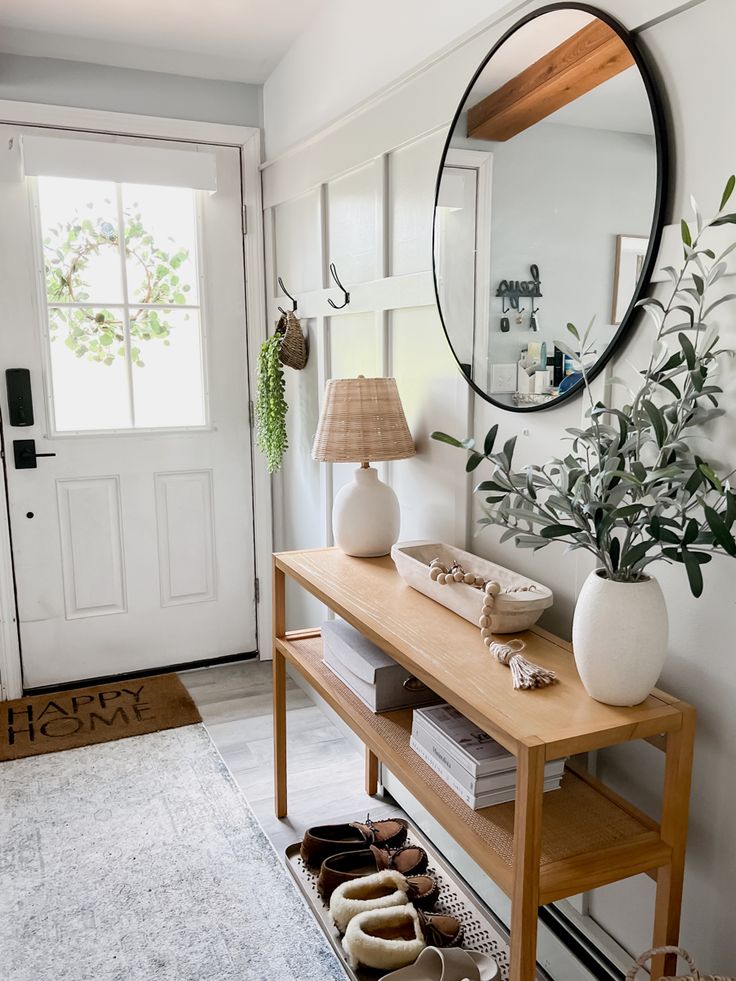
x: 366, y: 516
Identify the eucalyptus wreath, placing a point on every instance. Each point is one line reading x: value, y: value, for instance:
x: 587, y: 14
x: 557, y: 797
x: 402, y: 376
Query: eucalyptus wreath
x: 97, y: 334
x: 633, y: 488
x: 271, y: 405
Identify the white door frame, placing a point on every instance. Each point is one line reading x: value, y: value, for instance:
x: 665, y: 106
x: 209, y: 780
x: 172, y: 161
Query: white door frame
x: 248, y: 140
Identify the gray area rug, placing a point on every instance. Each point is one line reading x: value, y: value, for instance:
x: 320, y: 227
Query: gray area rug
x: 140, y: 860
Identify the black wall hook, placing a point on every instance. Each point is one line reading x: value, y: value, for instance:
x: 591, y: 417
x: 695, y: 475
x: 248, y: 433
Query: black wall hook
x: 287, y: 293
x: 335, y: 306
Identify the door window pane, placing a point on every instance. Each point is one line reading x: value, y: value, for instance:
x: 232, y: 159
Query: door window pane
x: 161, y: 244
x: 123, y: 320
x: 167, y: 377
x: 80, y: 241
x: 90, y: 387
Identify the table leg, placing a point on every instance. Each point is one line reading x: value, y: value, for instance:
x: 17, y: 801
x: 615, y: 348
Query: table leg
x: 371, y: 773
x: 527, y: 852
x: 279, y: 695
x: 675, y: 805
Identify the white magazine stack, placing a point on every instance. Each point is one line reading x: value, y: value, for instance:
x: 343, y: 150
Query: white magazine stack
x: 475, y: 766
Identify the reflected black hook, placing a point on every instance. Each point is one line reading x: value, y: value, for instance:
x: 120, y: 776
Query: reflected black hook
x: 335, y: 306
x: 287, y: 293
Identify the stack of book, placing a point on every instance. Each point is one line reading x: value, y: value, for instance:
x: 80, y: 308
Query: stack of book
x: 476, y: 767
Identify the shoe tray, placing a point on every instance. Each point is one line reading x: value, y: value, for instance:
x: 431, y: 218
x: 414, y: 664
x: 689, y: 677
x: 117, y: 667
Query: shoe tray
x: 482, y: 929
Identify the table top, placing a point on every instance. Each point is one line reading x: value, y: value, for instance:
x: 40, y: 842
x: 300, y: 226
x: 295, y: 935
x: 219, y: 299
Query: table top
x: 447, y: 654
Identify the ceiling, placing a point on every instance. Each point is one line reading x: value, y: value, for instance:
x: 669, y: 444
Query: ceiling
x: 237, y: 40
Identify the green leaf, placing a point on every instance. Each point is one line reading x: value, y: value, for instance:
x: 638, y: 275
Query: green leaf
x: 490, y: 440
x: 657, y: 420
x: 691, y: 532
x: 699, y: 284
x: 492, y: 485
x: 687, y: 349
x: 724, y: 299
x: 710, y: 475
x: 444, y: 438
x: 685, y: 232
x: 531, y: 541
x: 670, y: 386
x: 730, y: 515
x: 559, y: 531
x: 508, y: 449
x: 574, y: 331
x: 615, y: 553
x: 720, y: 531
x: 694, y: 575
x: 474, y: 461
x: 635, y: 554
x: 730, y: 183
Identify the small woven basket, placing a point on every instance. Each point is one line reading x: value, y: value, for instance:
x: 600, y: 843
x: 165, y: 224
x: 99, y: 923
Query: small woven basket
x: 294, y: 348
x: 695, y: 976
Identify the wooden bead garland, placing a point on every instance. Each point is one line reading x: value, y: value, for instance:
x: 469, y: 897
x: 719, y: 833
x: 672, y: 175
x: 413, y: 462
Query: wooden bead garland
x: 524, y: 673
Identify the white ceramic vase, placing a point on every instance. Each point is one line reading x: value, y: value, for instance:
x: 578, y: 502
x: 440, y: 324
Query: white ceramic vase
x: 365, y: 515
x: 619, y: 635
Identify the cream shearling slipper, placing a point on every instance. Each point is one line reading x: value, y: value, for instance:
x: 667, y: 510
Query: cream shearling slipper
x: 385, y: 939
x: 451, y: 964
x: 378, y: 891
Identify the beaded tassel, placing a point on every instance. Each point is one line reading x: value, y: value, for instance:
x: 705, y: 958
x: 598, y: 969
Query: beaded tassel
x: 525, y: 674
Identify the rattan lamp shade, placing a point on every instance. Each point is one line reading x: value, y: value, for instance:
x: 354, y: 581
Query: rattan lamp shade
x: 362, y: 421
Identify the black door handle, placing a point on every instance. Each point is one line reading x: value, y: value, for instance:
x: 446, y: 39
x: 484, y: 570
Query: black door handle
x: 24, y: 453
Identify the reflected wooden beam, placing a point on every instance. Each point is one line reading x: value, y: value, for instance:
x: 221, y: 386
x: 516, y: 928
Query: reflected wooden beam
x: 578, y: 65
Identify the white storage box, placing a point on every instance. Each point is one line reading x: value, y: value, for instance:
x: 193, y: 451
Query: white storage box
x: 372, y: 675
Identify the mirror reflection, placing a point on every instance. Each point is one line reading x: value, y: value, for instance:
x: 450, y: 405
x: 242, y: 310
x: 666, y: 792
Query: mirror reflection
x: 545, y: 206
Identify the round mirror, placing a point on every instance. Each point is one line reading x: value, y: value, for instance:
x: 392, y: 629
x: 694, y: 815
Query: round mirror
x: 548, y: 205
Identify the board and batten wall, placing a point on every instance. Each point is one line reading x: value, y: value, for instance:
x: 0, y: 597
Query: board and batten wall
x: 361, y: 195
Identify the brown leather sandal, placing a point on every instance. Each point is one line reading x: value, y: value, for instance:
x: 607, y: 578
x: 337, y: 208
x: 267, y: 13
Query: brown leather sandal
x: 333, y: 839
x: 410, y: 860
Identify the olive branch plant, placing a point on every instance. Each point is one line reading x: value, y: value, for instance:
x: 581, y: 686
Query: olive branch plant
x: 633, y: 489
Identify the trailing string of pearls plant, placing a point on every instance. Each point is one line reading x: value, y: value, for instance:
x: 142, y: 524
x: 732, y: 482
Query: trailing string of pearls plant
x: 524, y: 673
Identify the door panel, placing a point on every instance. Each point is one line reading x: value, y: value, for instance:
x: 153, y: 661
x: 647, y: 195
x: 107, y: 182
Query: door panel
x: 133, y: 549
x: 186, y: 537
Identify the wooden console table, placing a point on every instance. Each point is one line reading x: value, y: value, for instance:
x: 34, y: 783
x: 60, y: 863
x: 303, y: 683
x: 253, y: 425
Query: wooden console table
x: 543, y: 847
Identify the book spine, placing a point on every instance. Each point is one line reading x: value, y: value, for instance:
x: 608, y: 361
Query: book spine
x: 441, y: 771
x: 435, y: 739
x: 470, y: 765
x: 438, y: 751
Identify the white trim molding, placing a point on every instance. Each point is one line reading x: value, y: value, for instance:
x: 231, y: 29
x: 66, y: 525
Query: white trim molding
x: 124, y: 124
x: 248, y: 140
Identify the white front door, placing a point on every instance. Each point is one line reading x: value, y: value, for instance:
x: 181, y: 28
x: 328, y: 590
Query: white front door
x: 133, y: 541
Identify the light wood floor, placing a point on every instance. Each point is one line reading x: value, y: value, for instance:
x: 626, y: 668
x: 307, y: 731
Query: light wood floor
x: 325, y: 768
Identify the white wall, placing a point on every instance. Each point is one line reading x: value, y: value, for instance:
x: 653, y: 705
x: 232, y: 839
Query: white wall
x: 53, y: 81
x: 378, y: 169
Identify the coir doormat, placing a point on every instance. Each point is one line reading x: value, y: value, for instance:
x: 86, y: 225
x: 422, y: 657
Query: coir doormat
x: 99, y: 714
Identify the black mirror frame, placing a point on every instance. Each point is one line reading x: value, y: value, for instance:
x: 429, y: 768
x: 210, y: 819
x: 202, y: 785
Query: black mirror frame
x: 662, y: 150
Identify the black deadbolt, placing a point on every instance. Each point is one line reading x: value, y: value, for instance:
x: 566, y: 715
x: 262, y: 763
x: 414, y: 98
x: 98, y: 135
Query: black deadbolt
x: 20, y: 400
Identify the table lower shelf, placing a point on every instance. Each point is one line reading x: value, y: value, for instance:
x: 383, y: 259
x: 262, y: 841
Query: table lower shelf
x: 590, y: 835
